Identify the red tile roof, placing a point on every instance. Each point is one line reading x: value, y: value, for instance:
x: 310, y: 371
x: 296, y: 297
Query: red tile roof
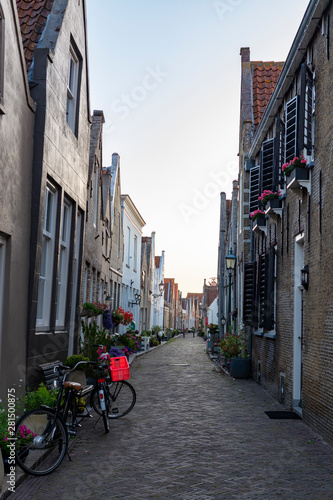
x: 32, y: 15
x: 264, y: 78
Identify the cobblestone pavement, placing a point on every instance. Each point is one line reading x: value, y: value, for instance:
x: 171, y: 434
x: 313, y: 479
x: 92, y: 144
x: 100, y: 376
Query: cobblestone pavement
x: 194, y: 434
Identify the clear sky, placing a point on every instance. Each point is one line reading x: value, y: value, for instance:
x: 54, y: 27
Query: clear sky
x: 167, y: 76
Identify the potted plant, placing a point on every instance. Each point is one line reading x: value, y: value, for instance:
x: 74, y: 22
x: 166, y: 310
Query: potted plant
x: 259, y: 217
x: 234, y: 348
x: 296, y: 169
x: 270, y: 198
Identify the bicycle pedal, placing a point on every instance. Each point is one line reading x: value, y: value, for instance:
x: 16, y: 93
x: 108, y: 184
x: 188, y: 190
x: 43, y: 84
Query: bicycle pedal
x: 114, y: 411
x: 72, y: 433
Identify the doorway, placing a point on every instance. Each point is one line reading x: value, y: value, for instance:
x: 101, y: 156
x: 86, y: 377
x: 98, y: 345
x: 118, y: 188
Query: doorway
x: 298, y: 324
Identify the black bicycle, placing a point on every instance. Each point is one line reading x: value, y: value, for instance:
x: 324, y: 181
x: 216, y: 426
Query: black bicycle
x: 120, y: 395
x: 42, y: 435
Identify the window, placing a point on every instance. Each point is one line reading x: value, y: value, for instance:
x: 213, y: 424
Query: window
x: 63, y: 263
x: 2, y: 55
x: 260, y: 291
x: 96, y: 196
x: 128, y: 246
x: 75, y: 287
x: 135, y: 252
x: 47, y: 259
x: 2, y: 283
x: 118, y: 236
x: 73, y: 88
x: 107, y: 237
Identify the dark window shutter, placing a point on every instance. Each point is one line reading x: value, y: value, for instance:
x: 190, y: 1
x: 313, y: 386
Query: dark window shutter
x: 267, y: 161
x: 291, y: 129
x: 261, y: 288
x: 249, y: 292
x: 305, y: 110
x: 269, y: 300
x: 254, y: 188
x: 308, y: 109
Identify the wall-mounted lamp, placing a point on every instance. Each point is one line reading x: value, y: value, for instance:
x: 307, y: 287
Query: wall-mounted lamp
x: 136, y: 301
x: 305, y: 277
x: 161, y: 289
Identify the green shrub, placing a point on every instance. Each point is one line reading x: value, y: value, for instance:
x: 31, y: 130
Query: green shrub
x: 71, y: 361
x: 34, y: 398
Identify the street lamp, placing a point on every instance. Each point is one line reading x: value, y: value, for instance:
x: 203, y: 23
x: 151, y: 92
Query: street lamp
x: 231, y: 262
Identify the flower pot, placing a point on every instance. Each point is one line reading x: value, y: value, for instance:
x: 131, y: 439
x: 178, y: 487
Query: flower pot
x: 240, y: 367
x: 299, y: 174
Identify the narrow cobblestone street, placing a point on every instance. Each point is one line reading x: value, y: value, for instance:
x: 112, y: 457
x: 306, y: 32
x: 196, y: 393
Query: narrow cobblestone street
x: 193, y: 434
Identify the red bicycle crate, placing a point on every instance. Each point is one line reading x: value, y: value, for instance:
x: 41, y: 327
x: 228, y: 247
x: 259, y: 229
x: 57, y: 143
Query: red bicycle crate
x: 119, y: 369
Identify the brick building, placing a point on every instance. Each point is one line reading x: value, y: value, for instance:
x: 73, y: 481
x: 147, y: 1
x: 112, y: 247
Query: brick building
x: 286, y: 258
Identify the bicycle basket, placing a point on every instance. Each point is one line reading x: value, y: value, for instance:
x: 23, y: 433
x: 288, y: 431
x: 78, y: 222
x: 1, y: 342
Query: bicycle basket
x: 119, y: 368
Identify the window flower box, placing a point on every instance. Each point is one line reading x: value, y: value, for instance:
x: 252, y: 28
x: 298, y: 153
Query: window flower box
x: 297, y: 174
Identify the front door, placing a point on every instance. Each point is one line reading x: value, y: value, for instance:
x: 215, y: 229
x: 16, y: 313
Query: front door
x: 298, y: 322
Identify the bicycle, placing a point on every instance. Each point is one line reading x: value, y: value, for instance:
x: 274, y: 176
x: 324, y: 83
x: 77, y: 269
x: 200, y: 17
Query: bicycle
x: 45, y: 430
x: 120, y: 395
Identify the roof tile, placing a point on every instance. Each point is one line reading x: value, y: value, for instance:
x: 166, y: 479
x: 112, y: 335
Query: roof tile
x: 32, y: 15
x: 264, y: 78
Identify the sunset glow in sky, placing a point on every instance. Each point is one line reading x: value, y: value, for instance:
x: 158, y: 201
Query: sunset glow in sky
x: 167, y: 76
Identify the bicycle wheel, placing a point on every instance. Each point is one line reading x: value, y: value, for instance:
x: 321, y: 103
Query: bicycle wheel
x: 121, y: 398
x: 41, y: 442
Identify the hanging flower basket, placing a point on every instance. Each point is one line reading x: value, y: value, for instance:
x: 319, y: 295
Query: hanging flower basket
x: 107, y: 320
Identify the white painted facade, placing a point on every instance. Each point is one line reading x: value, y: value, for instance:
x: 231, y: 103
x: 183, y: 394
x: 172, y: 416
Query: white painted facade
x: 157, y: 309
x: 133, y: 224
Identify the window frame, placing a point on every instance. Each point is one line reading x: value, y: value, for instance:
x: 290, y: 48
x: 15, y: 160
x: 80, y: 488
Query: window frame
x: 48, y: 246
x: 64, y: 258
x: 73, y: 87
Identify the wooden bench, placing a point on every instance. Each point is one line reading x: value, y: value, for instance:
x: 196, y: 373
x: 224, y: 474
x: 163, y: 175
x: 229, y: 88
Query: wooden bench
x: 50, y: 376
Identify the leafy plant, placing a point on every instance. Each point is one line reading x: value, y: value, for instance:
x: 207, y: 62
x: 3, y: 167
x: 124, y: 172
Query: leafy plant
x: 71, y: 361
x: 34, y: 398
x: 94, y: 307
x: 92, y: 334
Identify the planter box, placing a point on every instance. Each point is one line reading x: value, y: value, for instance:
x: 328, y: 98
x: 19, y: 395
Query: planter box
x: 260, y: 221
x: 274, y: 203
x: 240, y: 367
x: 298, y: 174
